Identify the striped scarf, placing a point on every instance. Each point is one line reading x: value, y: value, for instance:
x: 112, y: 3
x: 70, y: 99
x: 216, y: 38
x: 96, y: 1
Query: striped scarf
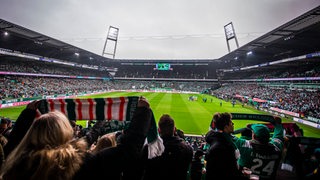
x: 118, y: 108
x: 259, y: 117
x: 118, y: 111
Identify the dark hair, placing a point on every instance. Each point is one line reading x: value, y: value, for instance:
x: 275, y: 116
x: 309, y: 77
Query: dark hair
x: 180, y: 133
x: 247, y: 132
x: 4, y: 121
x: 166, y: 125
x: 221, y: 120
x: 198, y: 153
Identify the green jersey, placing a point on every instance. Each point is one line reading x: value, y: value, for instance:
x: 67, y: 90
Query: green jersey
x: 262, y: 159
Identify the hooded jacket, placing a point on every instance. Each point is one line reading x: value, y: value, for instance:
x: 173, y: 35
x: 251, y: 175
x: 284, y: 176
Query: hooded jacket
x: 221, y: 157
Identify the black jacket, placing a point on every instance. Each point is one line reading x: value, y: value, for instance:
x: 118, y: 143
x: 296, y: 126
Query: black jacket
x: 173, y: 164
x: 115, y: 163
x: 20, y: 128
x: 221, y: 157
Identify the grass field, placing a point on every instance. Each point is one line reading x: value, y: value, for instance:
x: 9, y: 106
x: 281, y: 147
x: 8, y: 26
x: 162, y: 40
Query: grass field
x: 193, y: 117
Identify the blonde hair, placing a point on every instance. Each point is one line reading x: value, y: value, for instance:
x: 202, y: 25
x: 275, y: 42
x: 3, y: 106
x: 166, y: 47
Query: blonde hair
x: 46, y: 150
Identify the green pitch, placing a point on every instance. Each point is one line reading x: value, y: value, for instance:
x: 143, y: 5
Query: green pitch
x: 193, y: 117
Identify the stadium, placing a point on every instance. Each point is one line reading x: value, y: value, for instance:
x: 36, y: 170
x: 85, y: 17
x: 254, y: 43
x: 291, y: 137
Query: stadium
x: 276, y: 74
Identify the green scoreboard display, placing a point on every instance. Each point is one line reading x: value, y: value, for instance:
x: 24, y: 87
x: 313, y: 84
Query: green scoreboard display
x: 163, y: 67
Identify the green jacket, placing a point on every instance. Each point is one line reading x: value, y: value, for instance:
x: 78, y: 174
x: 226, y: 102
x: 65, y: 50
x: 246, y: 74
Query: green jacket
x: 262, y: 159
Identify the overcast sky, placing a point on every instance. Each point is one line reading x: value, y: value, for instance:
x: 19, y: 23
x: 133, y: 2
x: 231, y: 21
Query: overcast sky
x: 154, y: 29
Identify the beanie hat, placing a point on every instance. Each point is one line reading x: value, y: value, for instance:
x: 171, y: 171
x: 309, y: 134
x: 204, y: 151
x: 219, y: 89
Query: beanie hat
x: 261, y: 131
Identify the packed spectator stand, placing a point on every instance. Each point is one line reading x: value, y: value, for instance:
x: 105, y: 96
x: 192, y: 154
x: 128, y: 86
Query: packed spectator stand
x: 286, y: 96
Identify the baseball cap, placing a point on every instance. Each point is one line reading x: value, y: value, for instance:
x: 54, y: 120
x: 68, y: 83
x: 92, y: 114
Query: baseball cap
x: 260, y: 130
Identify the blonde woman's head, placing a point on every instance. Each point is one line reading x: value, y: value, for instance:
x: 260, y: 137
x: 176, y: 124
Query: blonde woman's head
x: 50, y: 130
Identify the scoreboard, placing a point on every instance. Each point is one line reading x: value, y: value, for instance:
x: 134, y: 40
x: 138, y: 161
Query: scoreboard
x: 163, y: 67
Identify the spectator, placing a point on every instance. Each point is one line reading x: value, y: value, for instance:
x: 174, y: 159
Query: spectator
x: 2, y: 157
x: 262, y: 155
x: 292, y: 164
x: 106, y: 141
x: 223, y: 154
x: 117, y: 162
x: 3, y: 142
x: 246, y: 133
x: 48, y: 151
x: 76, y: 129
x: 315, y: 174
x: 197, y: 166
x: 176, y: 159
x: 21, y: 126
x: 8, y: 130
x: 3, y: 125
x: 180, y: 133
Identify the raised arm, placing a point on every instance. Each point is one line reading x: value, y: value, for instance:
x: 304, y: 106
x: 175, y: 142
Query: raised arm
x: 21, y: 127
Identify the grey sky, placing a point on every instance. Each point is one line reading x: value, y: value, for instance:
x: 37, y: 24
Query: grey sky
x: 154, y: 29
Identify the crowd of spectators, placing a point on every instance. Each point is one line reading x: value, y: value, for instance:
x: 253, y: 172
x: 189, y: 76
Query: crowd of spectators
x: 13, y: 87
x: 302, y: 101
x: 42, y: 67
x: 148, y: 71
x: 180, y: 72
x: 302, y: 71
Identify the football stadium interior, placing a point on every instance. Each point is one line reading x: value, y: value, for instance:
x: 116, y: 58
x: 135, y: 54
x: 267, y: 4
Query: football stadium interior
x: 276, y: 73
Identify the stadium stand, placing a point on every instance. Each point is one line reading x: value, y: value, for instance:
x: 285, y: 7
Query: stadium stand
x: 281, y: 76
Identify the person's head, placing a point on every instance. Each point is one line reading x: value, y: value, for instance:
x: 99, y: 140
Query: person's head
x: 3, y: 124
x: 76, y: 128
x: 105, y: 141
x: 166, y: 126
x: 48, y: 146
x: 180, y: 133
x: 223, y: 122
x: 261, y: 133
x: 50, y: 129
x: 246, y: 133
x: 316, y: 153
x: 198, y: 154
x: 9, y: 124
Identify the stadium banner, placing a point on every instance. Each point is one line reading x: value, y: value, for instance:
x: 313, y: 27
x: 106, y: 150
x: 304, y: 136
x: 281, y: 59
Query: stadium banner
x: 312, y: 124
x: 316, y: 120
x: 14, y: 104
x: 285, y: 112
x: 12, y: 101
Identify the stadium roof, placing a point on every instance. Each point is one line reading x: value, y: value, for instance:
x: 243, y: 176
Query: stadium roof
x: 27, y: 41
x: 298, y: 37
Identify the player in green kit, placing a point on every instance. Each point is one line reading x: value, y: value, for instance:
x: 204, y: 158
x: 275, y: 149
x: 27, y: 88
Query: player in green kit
x: 260, y: 154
